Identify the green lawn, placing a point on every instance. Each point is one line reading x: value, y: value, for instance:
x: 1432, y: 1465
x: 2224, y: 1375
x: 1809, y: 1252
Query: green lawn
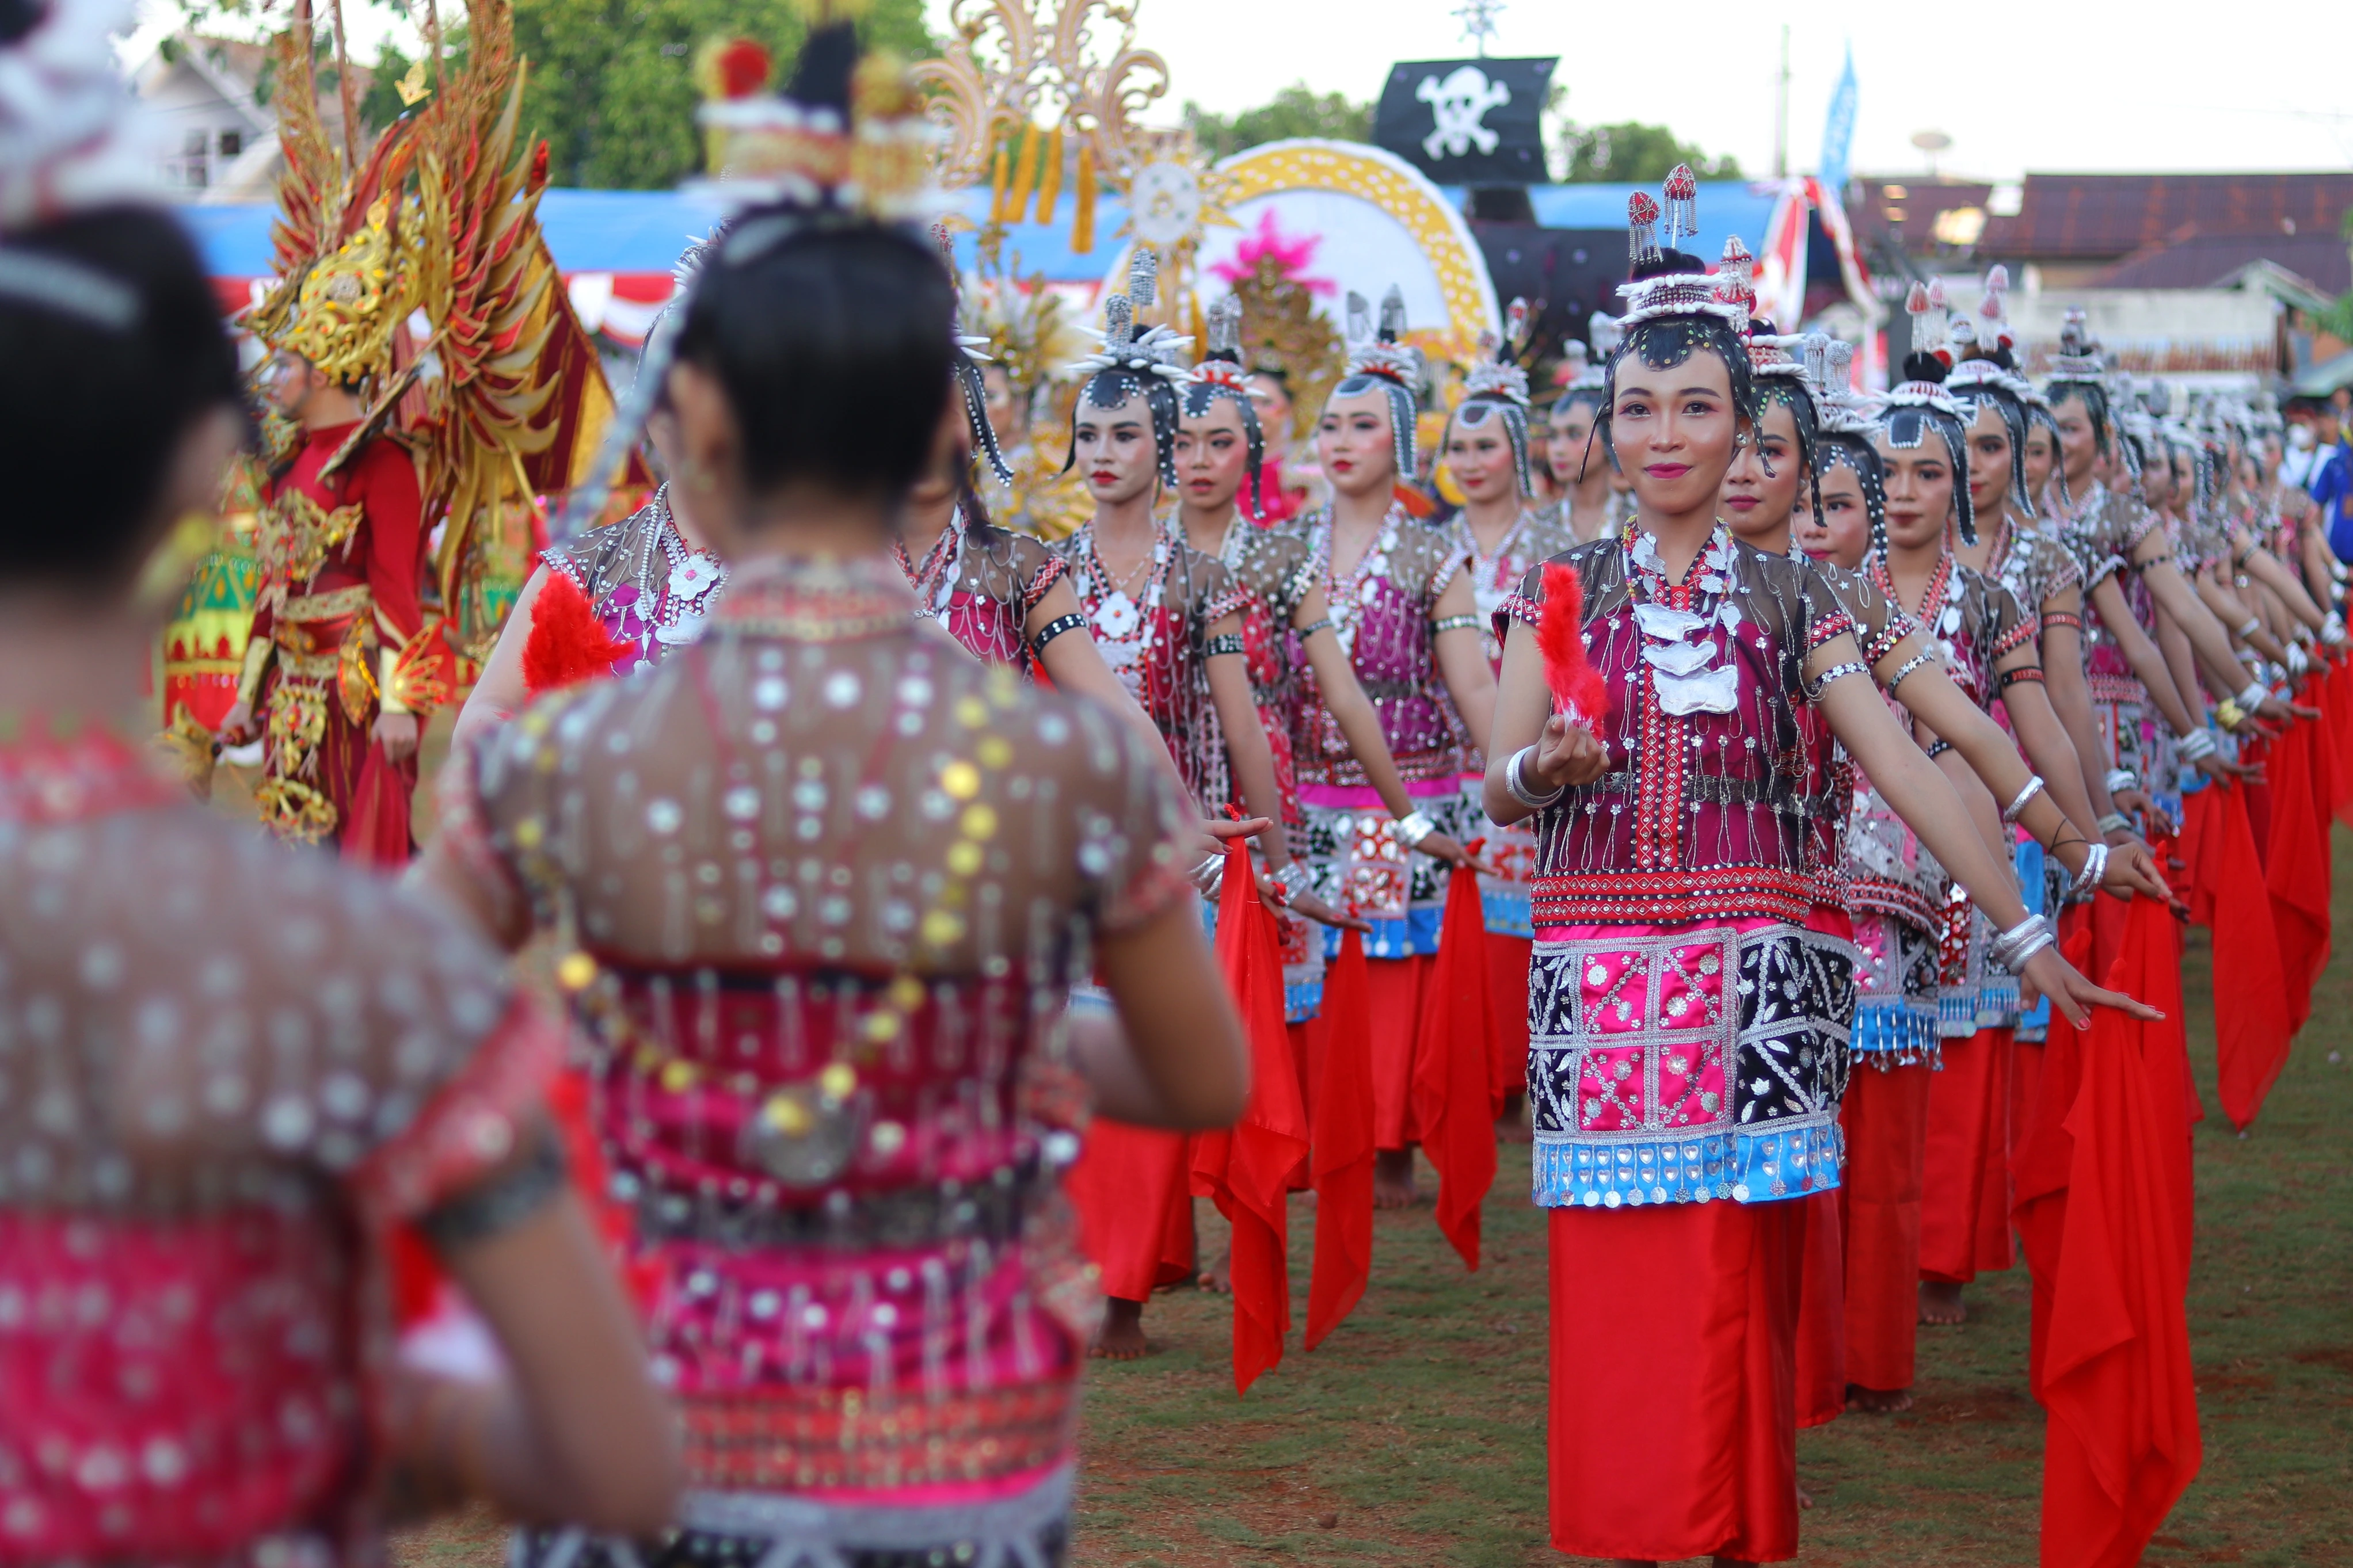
x: 1416, y: 1434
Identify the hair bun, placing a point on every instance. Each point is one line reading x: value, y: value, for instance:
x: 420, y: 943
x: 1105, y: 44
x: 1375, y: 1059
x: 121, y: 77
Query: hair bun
x: 1922, y: 365
x: 1667, y: 263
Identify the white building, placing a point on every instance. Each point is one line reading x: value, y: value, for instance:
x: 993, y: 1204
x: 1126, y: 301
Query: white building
x: 223, y: 140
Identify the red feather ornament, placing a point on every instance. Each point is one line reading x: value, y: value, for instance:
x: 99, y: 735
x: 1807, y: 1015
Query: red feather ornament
x: 567, y: 643
x: 1576, y: 685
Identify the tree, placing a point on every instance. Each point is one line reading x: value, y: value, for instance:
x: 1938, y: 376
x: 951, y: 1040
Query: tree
x: 610, y: 83
x: 1632, y: 152
x: 1294, y: 112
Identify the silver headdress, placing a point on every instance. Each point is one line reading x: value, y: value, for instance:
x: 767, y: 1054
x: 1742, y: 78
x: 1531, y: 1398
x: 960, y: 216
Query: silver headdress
x: 1377, y: 360
x: 1148, y: 362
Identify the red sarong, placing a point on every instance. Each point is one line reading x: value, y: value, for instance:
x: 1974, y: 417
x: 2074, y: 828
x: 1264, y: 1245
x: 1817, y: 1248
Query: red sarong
x: 1822, y: 1314
x: 1887, y: 1120
x: 1965, y: 1174
x: 1671, y: 1416
x: 1342, y: 1156
x: 1131, y: 1190
x: 1394, y: 986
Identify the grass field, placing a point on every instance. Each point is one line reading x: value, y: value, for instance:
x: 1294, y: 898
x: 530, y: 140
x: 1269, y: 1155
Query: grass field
x: 1416, y: 1434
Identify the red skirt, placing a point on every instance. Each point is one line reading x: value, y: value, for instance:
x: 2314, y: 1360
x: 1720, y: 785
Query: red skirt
x: 1886, y: 1118
x: 1131, y: 1188
x: 1821, y: 1315
x: 1393, y: 987
x: 1672, y: 1417
x: 1965, y: 1191
x: 1507, y: 984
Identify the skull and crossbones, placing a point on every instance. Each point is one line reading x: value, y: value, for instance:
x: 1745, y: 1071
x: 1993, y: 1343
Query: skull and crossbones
x: 1458, y: 104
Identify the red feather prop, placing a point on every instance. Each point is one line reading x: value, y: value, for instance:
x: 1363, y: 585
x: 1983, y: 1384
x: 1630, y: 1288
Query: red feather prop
x: 567, y: 643
x: 1560, y: 633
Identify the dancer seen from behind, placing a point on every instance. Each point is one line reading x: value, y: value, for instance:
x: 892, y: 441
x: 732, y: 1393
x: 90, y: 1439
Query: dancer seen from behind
x: 1674, y: 869
x: 232, y: 1070
x: 821, y: 884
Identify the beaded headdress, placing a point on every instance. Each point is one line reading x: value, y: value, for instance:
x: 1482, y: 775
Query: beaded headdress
x: 1136, y: 361
x: 972, y: 353
x: 1781, y: 376
x: 1847, y: 430
x: 1673, y: 308
x: 1497, y: 388
x: 1920, y: 404
x: 71, y: 139
x: 1220, y: 374
x: 1379, y: 361
x: 844, y: 145
x: 1979, y: 383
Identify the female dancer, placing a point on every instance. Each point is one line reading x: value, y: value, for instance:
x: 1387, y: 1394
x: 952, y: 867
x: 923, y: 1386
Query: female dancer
x: 1403, y: 609
x: 230, y: 1070
x: 1579, y: 471
x: 1485, y: 447
x: 1674, y: 870
x: 822, y: 886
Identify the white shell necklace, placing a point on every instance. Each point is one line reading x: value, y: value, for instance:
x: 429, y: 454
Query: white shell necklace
x: 693, y: 584
x: 1349, y: 598
x: 1686, y: 671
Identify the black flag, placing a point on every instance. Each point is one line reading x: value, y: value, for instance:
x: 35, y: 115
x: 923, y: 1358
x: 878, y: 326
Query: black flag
x: 1467, y: 122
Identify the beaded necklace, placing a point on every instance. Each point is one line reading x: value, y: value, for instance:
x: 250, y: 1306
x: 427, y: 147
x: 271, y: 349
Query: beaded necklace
x: 935, y: 577
x: 1126, y: 628
x: 1349, y: 597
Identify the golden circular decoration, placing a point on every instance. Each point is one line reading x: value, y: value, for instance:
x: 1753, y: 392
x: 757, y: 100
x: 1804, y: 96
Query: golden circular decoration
x: 837, y: 1080
x: 576, y: 971
x: 980, y: 821
x: 1406, y: 195
x: 961, y: 780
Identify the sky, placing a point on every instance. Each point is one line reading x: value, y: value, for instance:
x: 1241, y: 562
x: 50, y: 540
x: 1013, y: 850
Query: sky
x: 2070, y: 90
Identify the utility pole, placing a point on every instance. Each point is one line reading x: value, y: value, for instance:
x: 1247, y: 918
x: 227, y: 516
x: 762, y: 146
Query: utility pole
x: 1781, y: 111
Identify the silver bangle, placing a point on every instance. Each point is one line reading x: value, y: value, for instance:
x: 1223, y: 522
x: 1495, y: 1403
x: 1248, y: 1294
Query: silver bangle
x: 2017, y: 808
x: 1205, y: 876
x: 2012, y: 948
x: 2196, y: 746
x: 1515, y: 780
x: 2115, y: 822
x: 2254, y: 623
x: 1293, y: 879
x: 2095, y: 869
x: 2253, y: 697
x: 2122, y: 778
x: 1413, y: 828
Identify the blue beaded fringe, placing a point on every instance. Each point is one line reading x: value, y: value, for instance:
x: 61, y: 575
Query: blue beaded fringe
x: 1763, y: 1165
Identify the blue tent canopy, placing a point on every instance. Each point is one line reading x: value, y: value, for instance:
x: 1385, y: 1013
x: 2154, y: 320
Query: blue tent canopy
x: 643, y: 231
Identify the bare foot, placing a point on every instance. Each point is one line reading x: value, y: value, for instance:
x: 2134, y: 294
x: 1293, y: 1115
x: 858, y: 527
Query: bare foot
x: 1940, y: 1303
x: 1218, y: 1278
x: 1511, y: 1127
x: 1805, y: 1500
x: 1122, y: 1331
x: 1393, y: 1180
x: 1877, y: 1401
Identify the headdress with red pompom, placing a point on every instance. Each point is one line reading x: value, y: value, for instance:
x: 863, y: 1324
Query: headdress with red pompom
x: 1220, y: 374
x: 1920, y: 404
x: 1379, y: 359
x: 1667, y: 281
x: 1497, y: 387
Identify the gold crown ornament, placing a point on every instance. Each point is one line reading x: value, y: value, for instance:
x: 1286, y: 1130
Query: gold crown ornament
x: 349, y: 303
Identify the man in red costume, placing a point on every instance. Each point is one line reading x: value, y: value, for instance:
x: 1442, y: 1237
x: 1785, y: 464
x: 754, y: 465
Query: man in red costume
x: 338, y: 673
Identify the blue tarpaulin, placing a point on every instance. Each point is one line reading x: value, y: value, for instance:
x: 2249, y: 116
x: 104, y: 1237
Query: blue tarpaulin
x: 643, y: 231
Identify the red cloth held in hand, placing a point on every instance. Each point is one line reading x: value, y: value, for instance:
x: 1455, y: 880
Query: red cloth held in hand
x: 2296, y: 868
x: 1248, y: 1168
x: 2121, y: 1441
x: 1343, y: 1156
x: 1453, y: 1094
x: 2251, y: 1027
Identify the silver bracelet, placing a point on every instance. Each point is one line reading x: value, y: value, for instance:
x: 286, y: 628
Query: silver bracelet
x: 2196, y: 746
x: 1924, y: 656
x: 2017, y: 808
x: 2095, y: 869
x: 2012, y: 948
x: 2115, y: 822
x: 2297, y: 660
x: 1292, y: 878
x: 1205, y: 876
x: 2332, y: 627
x: 1515, y: 780
x: 2253, y: 697
x: 2122, y: 778
x: 1413, y: 828
x: 2254, y: 623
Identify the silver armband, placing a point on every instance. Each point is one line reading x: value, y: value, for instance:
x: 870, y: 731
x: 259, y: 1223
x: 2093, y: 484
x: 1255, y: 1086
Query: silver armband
x: 2012, y: 948
x: 1413, y: 828
x: 2095, y: 869
x: 2017, y: 808
x: 1515, y: 780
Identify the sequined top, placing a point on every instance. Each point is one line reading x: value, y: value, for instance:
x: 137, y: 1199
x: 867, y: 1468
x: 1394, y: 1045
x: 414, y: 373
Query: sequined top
x: 224, y: 1070
x: 1157, y: 641
x: 1880, y: 627
x: 1706, y: 811
x: 2102, y: 528
x: 1275, y: 570
x: 1974, y: 621
x: 836, y: 880
x: 646, y: 585
x: 1533, y: 538
x: 980, y: 582
x: 1381, y: 611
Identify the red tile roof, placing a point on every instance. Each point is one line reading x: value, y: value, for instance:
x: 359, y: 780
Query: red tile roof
x: 2092, y: 218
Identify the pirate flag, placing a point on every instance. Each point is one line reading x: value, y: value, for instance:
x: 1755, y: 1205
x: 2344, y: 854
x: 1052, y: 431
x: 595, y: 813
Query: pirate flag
x: 1467, y: 122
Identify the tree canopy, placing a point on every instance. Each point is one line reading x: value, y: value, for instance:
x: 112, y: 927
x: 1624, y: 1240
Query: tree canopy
x: 1293, y: 111
x: 1632, y: 152
x: 611, y: 83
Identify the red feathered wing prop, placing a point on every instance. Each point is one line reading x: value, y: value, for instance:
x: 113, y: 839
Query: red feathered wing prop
x: 567, y: 643
x: 1576, y: 685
